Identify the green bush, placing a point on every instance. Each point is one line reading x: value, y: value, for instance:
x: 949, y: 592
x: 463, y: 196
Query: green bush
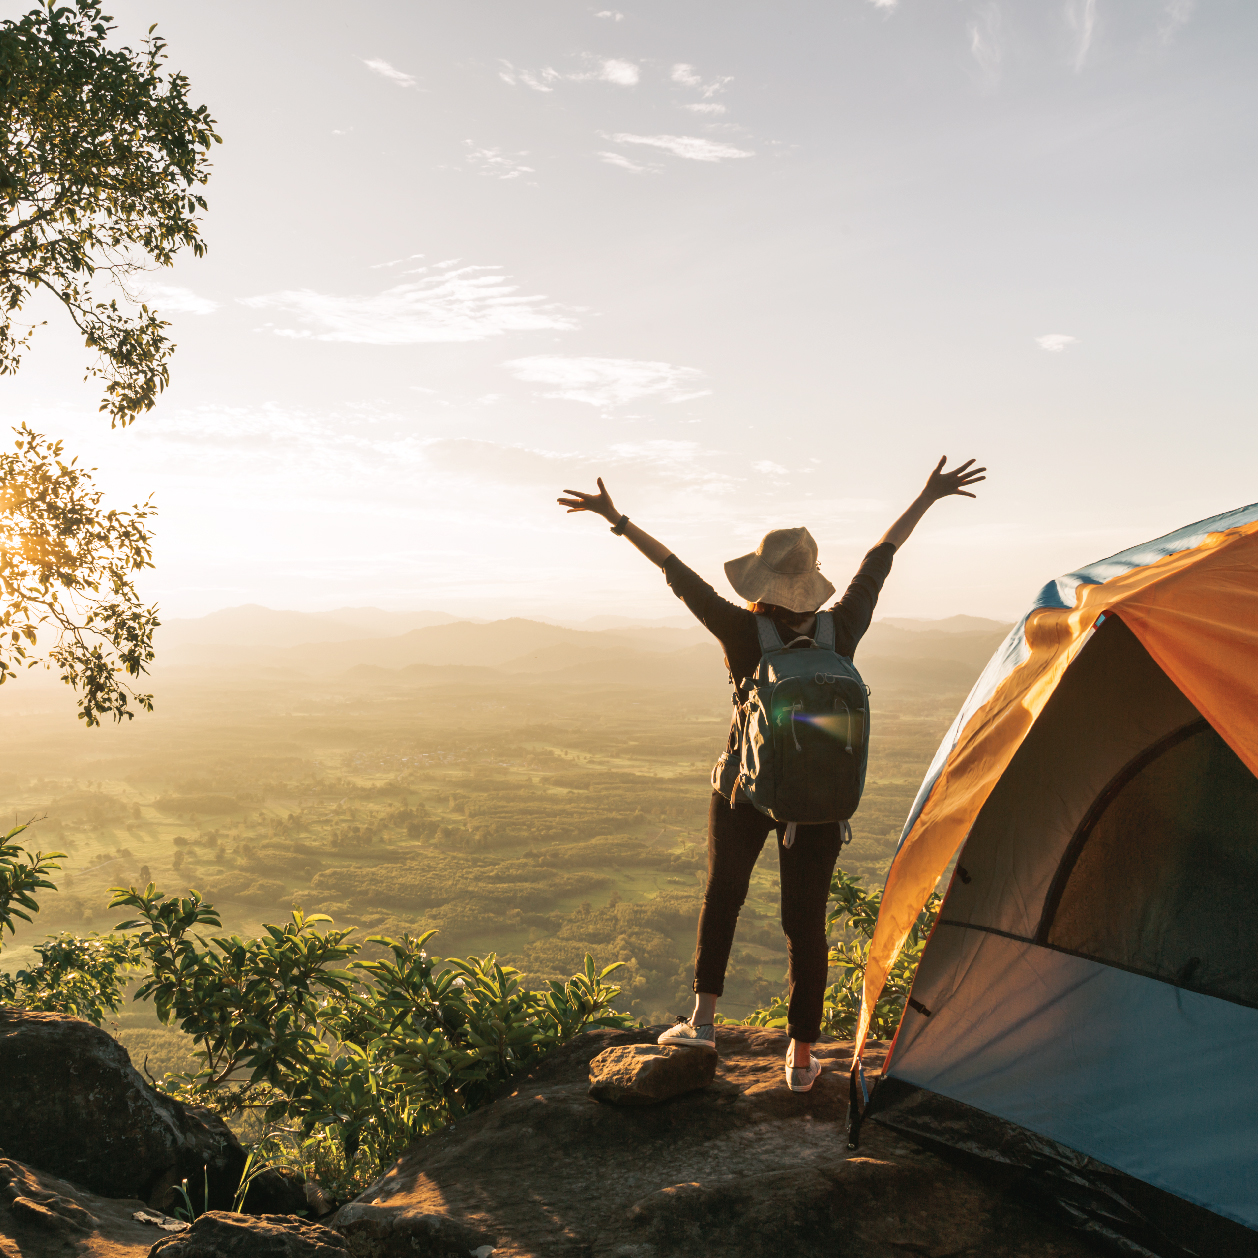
x: 349, y: 1060
x: 854, y: 911
x: 20, y: 879
x: 85, y: 978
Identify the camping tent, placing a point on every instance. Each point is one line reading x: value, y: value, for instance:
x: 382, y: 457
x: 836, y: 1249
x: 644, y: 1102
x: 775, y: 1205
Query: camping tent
x: 1087, y: 1005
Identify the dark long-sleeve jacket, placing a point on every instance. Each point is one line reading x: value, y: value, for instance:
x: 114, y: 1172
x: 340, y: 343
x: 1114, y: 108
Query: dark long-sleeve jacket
x: 735, y: 627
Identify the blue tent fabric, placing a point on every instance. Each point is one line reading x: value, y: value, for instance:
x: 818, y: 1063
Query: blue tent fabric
x: 1067, y: 1046
x: 1062, y: 592
x: 1058, y: 996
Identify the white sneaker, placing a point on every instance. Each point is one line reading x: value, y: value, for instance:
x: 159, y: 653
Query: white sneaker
x: 686, y: 1035
x: 801, y: 1079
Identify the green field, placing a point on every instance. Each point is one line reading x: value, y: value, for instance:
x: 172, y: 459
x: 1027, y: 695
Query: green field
x: 538, y: 820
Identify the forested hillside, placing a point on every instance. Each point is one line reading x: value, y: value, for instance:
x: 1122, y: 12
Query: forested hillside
x: 537, y: 812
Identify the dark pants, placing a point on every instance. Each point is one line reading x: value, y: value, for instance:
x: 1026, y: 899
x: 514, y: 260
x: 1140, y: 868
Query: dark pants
x: 735, y: 839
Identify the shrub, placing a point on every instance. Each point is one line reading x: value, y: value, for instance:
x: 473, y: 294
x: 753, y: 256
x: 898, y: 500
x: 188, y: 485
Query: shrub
x: 20, y: 879
x: 351, y: 1059
x: 855, y: 911
x: 84, y: 978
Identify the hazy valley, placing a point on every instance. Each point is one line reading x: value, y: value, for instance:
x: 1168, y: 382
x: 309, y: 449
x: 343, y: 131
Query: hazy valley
x: 535, y: 790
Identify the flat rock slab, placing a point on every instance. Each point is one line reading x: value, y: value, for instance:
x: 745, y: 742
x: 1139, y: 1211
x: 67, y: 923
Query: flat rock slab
x: 744, y: 1167
x: 647, y: 1074
x: 43, y: 1216
x: 223, y: 1234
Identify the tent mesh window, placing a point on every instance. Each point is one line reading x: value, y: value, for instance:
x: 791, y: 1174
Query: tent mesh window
x: 1162, y: 875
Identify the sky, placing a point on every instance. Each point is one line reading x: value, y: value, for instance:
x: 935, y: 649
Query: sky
x: 757, y: 265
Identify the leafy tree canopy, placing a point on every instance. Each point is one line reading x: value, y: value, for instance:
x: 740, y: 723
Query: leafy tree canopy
x: 101, y: 154
x: 66, y: 564
x: 20, y: 880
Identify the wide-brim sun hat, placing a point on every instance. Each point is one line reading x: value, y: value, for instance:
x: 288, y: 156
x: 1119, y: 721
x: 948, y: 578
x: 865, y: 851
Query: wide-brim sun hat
x: 783, y: 571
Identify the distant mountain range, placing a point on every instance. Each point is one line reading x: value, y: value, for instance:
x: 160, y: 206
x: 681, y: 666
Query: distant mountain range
x: 254, y: 625
x: 367, y: 646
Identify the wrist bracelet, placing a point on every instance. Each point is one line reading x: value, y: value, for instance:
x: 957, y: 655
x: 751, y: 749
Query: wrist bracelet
x: 619, y: 527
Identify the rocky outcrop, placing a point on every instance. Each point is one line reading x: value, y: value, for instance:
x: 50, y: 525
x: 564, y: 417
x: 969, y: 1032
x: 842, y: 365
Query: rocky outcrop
x: 646, y: 1074
x: 222, y: 1234
x: 44, y: 1216
x: 410, y: 1235
x: 743, y: 1167
x: 71, y: 1104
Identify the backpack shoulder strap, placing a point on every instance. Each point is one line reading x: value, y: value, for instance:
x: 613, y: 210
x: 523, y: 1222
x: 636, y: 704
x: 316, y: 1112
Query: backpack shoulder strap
x: 824, y: 633
x: 770, y: 639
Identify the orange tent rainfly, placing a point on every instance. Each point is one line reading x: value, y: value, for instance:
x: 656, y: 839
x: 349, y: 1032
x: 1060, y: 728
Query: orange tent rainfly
x: 1087, y: 1006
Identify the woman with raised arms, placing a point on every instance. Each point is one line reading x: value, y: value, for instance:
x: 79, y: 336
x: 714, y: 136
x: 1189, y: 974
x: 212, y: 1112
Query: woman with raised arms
x: 782, y: 584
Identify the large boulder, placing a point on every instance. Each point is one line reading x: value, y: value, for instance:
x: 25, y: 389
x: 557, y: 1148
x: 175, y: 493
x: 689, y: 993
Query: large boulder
x: 222, y: 1234
x: 406, y: 1234
x: 42, y: 1215
x: 646, y: 1074
x: 71, y: 1104
x: 743, y: 1167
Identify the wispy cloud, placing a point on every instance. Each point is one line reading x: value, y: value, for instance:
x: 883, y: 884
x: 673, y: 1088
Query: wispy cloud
x: 495, y: 163
x: 538, y: 82
x: 705, y: 107
x: 607, y: 70
x: 884, y: 4
x: 769, y: 468
x: 410, y: 257
x: 385, y: 70
x: 1055, y: 342
x: 687, y: 76
x: 616, y: 159
x: 612, y: 15
x: 173, y: 299
x: 1175, y: 13
x: 984, y: 32
x: 471, y: 303
x: 606, y: 382
x: 1081, y: 18
x: 623, y: 73
x: 470, y: 460
x: 694, y: 148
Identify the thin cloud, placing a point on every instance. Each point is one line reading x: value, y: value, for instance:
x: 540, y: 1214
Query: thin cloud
x: 1081, y: 18
x: 622, y: 73
x: 887, y: 5
x: 985, y: 46
x: 385, y: 70
x: 496, y: 164
x: 376, y: 266
x: 705, y: 107
x: 692, y: 147
x: 616, y: 159
x: 539, y: 83
x: 611, y: 15
x: 768, y: 467
x: 611, y: 70
x: 687, y: 76
x: 173, y: 299
x: 1055, y: 342
x: 1175, y: 13
x: 477, y: 460
x: 472, y: 303
x: 607, y: 382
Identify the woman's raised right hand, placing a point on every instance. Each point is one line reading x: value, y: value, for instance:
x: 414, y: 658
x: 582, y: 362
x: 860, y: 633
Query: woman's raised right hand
x: 600, y: 503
